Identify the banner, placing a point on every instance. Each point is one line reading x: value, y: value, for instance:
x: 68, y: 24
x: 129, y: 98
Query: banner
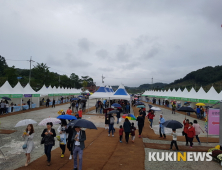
x: 27, y: 95
x: 213, y: 121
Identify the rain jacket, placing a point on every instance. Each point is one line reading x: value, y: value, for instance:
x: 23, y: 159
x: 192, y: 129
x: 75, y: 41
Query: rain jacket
x: 186, y: 125
x: 162, y: 120
x: 191, y: 132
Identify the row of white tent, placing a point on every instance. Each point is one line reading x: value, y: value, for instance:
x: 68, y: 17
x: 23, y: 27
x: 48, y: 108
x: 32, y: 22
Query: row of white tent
x: 107, y: 92
x: 210, y: 97
x: 20, y: 95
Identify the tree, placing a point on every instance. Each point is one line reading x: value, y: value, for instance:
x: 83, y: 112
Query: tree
x: 40, y: 73
x: 84, y: 84
x: 11, y: 75
x: 3, y: 65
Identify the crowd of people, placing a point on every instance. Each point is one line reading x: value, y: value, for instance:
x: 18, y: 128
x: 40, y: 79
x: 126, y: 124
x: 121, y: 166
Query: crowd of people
x: 73, y: 138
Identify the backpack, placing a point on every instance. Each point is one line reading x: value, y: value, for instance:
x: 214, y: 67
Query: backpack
x: 111, y: 121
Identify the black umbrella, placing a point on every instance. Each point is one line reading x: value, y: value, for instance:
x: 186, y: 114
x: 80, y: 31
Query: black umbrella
x: 113, y: 111
x: 173, y: 124
x: 82, y: 123
x: 6, y: 98
x: 139, y: 103
x: 83, y: 100
x: 150, y: 106
x: 186, y: 109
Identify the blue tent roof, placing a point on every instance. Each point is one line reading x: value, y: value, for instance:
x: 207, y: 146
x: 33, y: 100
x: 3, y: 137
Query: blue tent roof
x: 102, y: 89
x: 120, y: 92
x: 111, y: 90
x: 107, y: 89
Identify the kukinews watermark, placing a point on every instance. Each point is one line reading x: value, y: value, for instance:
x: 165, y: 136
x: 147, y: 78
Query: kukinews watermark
x: 179, y: 156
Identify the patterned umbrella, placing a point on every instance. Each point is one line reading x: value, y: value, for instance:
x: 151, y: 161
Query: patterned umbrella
x: 53, y: 120
x: 129, y: 116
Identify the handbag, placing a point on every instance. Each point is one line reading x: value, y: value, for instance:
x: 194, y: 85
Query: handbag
x: 42, y: 141
x: 25, y: 145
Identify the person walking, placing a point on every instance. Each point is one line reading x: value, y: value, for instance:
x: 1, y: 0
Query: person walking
x: 127, y: 108
x: 185, y: 129
x: 201, y: 112
x: 77, y: 106
x: 161, y: 129
x: 150, y: 116
x: 140, y: 121
x: 80, y: 113
x: 2, y: 107
x: 48, y: 135
x: 79, y: 136
x: 47, y: 102
x: 132, y: 132
x: 53, y: 103
x: 28, y: 137
x: 126, y: 127
x: 173, y: 108
x: 111, y: 124
x: 63, y: 136
x: 69, y: 111
x: 118, y: 115
x: 73, y: 106
x: 174, y: 141
x: 159, y: 102
x: 70, y: 131
x: 120, y: 133
x: 191, y: 134
x: 29, y: 103
x: 197, y: 130
x: 198, y: 112
x: 6, y: 107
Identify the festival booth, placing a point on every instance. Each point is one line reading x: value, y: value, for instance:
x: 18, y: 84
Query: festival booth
x: 101, y: 93
x: 16, y: 96
x: 31, y: 94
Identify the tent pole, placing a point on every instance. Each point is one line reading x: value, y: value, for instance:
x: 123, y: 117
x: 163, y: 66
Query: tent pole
x: 88, y: 105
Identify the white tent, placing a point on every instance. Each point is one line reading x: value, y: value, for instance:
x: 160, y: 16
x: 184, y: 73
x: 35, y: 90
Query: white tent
x: 120, y: 93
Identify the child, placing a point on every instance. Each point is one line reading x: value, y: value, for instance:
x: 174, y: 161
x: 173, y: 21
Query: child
x: 120, y: 133
x: 132, y: 131
x: 63, y: 136
x: 174, y: 141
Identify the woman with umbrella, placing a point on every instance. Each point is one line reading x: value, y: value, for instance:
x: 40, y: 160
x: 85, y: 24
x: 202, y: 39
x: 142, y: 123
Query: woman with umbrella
x: 127, y: 127
x: 48, y: 135
x: 29, y: 144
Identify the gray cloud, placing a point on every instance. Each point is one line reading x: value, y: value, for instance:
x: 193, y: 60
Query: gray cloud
x: 84, y: 44
x: 106, y: 69
x: 133, y: 40
x: 102, y: 54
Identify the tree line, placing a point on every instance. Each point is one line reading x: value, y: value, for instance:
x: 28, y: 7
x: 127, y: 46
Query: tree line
x: 40, y: 75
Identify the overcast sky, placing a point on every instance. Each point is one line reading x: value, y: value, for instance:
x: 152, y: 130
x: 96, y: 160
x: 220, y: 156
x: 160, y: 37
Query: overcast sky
x: 127, y: 41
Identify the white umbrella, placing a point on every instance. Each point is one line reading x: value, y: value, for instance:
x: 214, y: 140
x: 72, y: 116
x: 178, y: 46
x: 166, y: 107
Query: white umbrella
x: 25, y: 122
x: 53, y: 120
x: 155, y: 108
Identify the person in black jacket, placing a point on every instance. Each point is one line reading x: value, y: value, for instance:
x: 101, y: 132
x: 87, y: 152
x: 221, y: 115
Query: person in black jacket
x: 140, y: 124
x: 47, y: 102
x: 53, y: 103
x: 127, y: 128
x: 78, y: 138
x: 48, y: 134
x: 70, y: 131
x: 29, y: 103
x: 118, y: 115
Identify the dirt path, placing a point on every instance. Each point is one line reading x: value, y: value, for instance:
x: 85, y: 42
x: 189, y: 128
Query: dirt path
x: 101, y: 152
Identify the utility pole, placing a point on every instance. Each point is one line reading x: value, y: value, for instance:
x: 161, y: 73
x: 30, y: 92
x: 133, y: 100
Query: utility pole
x: 103, y: 79
x: 30, y: 68
x: 152, y: 82
x: 59, y: 80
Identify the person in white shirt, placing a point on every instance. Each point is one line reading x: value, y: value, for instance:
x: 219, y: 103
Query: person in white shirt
x: 174, y: 141
x: 79, y: 136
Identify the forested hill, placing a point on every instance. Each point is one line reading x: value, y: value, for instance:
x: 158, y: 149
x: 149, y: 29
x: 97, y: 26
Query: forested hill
x: 205, y: 77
